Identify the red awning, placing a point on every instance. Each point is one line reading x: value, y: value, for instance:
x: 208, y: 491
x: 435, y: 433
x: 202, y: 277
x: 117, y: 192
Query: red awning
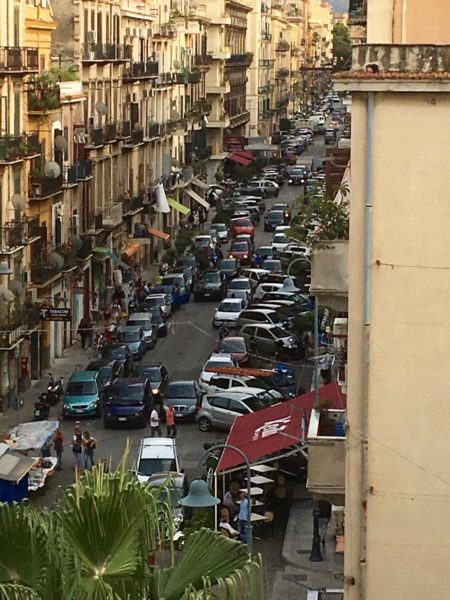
x: 130, y: 250
x: 267, y: 432
x: 239, y: 159
x: 246, y: 154
x: 160, y: 234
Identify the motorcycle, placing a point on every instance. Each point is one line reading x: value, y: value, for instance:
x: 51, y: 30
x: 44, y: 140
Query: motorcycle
x: 41, y: 408
x: 55, y: 390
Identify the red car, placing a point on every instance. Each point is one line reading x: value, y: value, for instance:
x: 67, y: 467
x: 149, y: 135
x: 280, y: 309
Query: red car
x: 242, y: 226
x: 237, y: 347
x: 240, y: 251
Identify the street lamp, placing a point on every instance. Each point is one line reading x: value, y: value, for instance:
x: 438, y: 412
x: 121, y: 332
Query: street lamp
x: 200, y: 497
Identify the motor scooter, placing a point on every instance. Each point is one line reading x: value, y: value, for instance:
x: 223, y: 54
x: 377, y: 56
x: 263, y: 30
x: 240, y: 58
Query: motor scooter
x: 55, y: 389
x: 41, y: 408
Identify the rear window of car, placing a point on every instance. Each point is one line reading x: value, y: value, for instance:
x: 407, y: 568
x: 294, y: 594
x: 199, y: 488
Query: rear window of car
x: 276, y: 215
x: 242, y: 223
x: 240, y: 247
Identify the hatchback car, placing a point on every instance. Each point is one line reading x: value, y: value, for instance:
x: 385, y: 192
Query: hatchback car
x: 273, y: 265
x: 262, y: 253
x: 271, y: 339
x: 214, y: 361
x: 156, y: 455
x: 240, y: 251
x: 236, y: 346
x: 229, y: 267
x: 107, y: 370
x: 273, y: 219
x: 121, y: 353
x: 159, y: 322
x: 82, y: 397
x: 144, y: 320
x: 258, y: 315
x: 228, y: 312
x: 280, y: 241
x: 133, y: 337
x: 158, y: 376
x: 159, y: 300
x: 220, y: 410
x: 242, y: 284
x: 127, y: 400
x: 297, y: 176
x: 184, y: 397
x: 222, y: 231
x: 209, y: 287
x: 242, y: 226
x: 172, y: 487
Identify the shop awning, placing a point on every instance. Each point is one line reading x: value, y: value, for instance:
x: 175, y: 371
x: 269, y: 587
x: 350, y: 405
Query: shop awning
x: 199, y: 183
x: 162, y: 235
x: 184, y: 210
x: 132, y: 249
x: 268, y: 431
x: 119, y: 262
x: 242, y: 160
x: 102, y: 250
x: 245, y: 154
x: 197, y: 198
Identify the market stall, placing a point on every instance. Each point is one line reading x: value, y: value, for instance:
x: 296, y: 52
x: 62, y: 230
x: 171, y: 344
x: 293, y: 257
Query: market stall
x: 14, y: 474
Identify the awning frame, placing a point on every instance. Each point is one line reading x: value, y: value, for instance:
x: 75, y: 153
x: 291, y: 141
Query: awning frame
x: 197, y: 198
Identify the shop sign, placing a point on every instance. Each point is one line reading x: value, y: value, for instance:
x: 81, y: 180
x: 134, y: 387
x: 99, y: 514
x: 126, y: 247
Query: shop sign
x: 55, y: 314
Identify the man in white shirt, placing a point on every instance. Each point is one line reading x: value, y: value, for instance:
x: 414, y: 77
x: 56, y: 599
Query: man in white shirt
x: 224, y: 524
x: 155, y: 427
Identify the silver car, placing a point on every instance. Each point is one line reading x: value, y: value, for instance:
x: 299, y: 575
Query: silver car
x: 271, y: 339
x: 221, y: 409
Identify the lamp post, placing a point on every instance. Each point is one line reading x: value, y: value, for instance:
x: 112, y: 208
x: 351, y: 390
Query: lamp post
x: 200, y: 497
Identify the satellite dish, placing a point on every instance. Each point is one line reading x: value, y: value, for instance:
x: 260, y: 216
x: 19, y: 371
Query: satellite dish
x: 61, y: 143
x: 101, y: 108
x: 75, y: 241
x: 18, y: 202
x: 16, y: 287
x: 5, y: 294
x: 52, y: 169
x: 176, y: 64
x: 56, y: 260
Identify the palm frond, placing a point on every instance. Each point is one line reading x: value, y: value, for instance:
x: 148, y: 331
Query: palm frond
x: 9, y: 591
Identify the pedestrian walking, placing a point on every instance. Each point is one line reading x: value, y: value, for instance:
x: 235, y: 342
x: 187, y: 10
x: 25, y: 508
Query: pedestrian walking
x: 58, y: 445
x: 83, y: 331
x: 243, y: 513
x: 77, y: 446
x: 155, y: 427
x: 170, y: 422
x: 89, y: 445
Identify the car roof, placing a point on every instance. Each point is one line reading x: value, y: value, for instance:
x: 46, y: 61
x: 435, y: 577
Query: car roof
x: 183, y: 382
x: 232, y: 337
x: 157, y: 448
x: 246, y: 279
x: 83, y: 376
x: 129, y: 328
x: 258, y: 271
x: 234, y: 300
x: 236, y: 396
x: 115, y: 345
x: 216, y: 356
x: 99, y: 363
x: 123, y: 382
x: 264, y: 311
x: 159, y: 479
x: 139, y: 316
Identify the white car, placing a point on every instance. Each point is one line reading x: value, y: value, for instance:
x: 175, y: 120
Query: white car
x: 265, y: 288
x: 227, y: 313
x: 281, y: 228
x: 204, y: 241
x: 280, y: 241
x: 270, y: 395
x: 156, y: 455
x: 255, y: 274
x: 215, y: 360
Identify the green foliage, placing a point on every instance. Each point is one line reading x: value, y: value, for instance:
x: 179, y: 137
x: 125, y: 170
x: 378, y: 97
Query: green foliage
x: 342, y: 49
x: 223, y: 216
x: 183, y: 240
x: 242, y: 173
x: 322, y: 219
x: 218, y: 176
x: 170, y: 257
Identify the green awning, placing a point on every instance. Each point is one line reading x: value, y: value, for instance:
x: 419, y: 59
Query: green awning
x: 119, y: 262
x: 107, y: 253
x: 184, y: 210
x: 102, y: 250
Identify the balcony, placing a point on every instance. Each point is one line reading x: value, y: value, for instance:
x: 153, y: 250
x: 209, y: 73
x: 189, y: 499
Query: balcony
x: 329, y: 274
x: 132, y: 206
x: 245, y: 59
x: 21, y: 233
x: 282, y: 73
x: 42, y: 271
x: 263, y: 90
x: 124, y: 130
x: 179, y: 78
x: 43, y: 101
x: 162, y: 31
x: 96, y: 138
x: 112, y: 216
x: 203, y: 60
x: 136, y: 138
x: 84, y: 170
x: 153, y: 130
x: 266, y: 62
x: 265, y: 35
x: 18, y: 60
x: 18, y: 323
x: 264, y: 115
x: 326, y: 453
x: 70, y: 176
x: 164, y: 79
x: 93, y: 53
x: 17, y: 148
x: 141, y: 70
x: 264, y: 8
x: 194, y: 77
x: 282, y: 46
x: 110, y: 132
x: 239, y: 119
x: 236, y: 81
x: 42, y: 187
x: 201, y: 107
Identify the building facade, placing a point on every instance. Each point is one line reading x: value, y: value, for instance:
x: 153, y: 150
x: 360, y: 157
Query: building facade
x: 396, y: 472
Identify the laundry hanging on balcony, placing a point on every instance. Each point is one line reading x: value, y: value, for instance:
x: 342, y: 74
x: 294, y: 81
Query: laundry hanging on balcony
x: 162, y: 206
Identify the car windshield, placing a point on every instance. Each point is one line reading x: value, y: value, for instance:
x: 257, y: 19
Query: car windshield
x: 81, y: 388
x: 264, y: 251
x: 256, y: 403
x: 141, y: 323
x: 151, y: 373
x: 239, y: 285
x: 272, y: 264
x: 128, y: 393
x: 221, y: 227
x: 228, y: 264
x: 181, y: 390
x: 157, y: 318
x: 130, y: 336
x: 115, y: 352
x: 172, y: 280
x: 278, y: 332
x: 233, y: 345
x: 154, y: 302
x: 212, y: 277
x: 243, y: 223
x: 213, y: 364
x: 105, y: 373
x: 229, y: 307
x: 148, y: 466
x: 258, y: 383
x: 240, y: 247
x: 276, y: 215
x: 280, y: 238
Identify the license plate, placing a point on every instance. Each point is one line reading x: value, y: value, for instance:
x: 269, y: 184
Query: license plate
x: 122, y: 418
x: 207, y: 294
x: 38, y: 413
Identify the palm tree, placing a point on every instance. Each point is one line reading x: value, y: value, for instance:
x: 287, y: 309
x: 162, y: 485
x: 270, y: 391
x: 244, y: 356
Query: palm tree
x: 107, y: 539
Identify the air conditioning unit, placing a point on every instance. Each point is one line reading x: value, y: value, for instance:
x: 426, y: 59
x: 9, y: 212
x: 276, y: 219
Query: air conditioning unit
x: 92, y: 37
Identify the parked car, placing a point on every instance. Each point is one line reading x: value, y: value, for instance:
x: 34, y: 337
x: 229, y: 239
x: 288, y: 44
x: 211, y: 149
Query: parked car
x: 273, y: 219
x: 133, y: 337
x: 236, y: 346
x: 161, y: 301
x: 258, y: 315
x: 172, y: 488
x: 241, y: 284
x: 127, y: 400
x: 82, y: 397
x: 211, y: 286
x: 254, y: 275
x: 285, y: 388
x: 240, y: 251
x: 215, y: 360
x: 229, y: 268
x: 220, y: 410
x: 144, y: 320
x: 159, y: 322
x: 269, y: 188
x: 222, y: 232
x: 297, y: 176
x: 158, y: 376
x: 280, y: 241
x: 273, y: 265
x: 184, y: 397
x: 265, y: 287
x: 122, y: 353
x: 271, y: 339
x: 227, y: 313
x: 107, y: 370
x: 157, y: 456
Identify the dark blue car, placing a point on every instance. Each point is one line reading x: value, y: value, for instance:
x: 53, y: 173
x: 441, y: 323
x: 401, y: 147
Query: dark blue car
x: 127, y: 400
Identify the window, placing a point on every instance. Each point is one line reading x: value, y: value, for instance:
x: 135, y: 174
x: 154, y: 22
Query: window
x: 220, y: 382
x: 263, y: 334
x: 237, y: 407
x: 218, y: 401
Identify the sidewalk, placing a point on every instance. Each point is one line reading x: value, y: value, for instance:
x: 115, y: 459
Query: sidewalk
x: 300, y: 573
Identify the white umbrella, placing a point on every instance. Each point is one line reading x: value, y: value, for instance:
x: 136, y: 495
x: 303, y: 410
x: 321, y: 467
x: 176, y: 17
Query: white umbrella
x: 162, y: 205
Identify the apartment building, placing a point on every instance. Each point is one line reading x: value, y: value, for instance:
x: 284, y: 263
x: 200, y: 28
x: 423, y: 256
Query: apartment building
x: 396, y: 476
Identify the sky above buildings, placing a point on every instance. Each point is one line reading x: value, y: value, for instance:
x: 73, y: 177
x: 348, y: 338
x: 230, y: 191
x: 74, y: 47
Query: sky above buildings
x: 340, y: 5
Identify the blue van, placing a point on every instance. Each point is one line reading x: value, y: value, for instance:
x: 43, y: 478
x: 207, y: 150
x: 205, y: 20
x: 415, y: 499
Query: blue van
x: 83, y: 395
x: 127, y: 400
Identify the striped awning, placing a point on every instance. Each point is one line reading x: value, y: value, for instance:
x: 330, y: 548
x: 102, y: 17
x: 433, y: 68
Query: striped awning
x: 162, y: 235
x: 196, y: 197
x: 184, y: 210
x: 132, y: 249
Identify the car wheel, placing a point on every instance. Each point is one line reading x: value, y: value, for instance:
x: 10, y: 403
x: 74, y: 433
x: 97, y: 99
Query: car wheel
x: 204, y: 424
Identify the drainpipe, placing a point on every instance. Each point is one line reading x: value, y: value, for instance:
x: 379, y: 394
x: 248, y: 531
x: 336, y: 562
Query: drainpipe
x: 369, y: 201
